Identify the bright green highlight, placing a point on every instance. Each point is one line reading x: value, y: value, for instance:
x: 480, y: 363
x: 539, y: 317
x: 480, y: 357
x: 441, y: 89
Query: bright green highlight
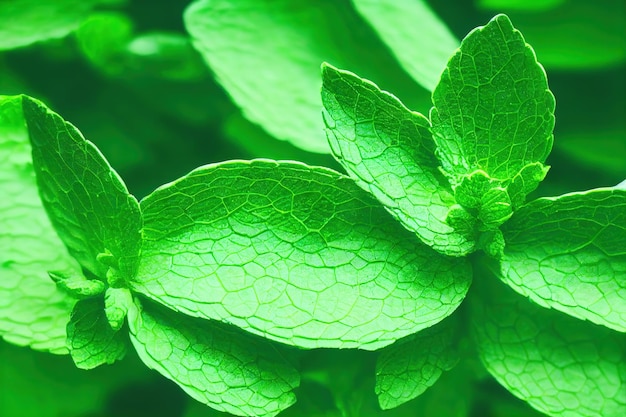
x: 27, y: 21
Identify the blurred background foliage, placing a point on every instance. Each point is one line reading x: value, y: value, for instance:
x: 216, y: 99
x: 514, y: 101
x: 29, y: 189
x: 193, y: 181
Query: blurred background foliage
x: 127, y: 73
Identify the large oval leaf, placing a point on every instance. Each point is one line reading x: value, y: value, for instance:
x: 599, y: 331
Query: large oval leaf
x: 293, y: 253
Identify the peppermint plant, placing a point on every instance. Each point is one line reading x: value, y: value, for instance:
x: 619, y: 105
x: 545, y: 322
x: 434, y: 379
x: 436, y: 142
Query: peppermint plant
x: 221, y: 279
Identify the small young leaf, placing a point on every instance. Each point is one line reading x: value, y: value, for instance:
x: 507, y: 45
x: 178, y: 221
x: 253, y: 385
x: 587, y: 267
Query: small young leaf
x: 389, y: 151
x: 33, y: 311
x: 293, y: 253
x: 407, y: 368
x: 117, y: 301
x: 27, y: 21
x: 77, y: 286
x: 266, y: 55
x: 559, y: 365
x: 91, y: 340
x: 493, y: 110
x: 86, y: 200
x: 222, y: 367
x: 569, y: 253
x: 422, y: 51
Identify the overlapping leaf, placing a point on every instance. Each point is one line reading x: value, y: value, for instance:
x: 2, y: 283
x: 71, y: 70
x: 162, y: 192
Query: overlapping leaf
x: 32, y: 310
x: 90, y: 338
x: 222, y: 367
x: 422, y: 51
x: 293, y: 253
x: 27, y: 21
x: 407, y: 368
x: 389, y: 151
x: 87, y: 201
x: 266, y: 54
x: 569, y: 253
x: 560, y: 365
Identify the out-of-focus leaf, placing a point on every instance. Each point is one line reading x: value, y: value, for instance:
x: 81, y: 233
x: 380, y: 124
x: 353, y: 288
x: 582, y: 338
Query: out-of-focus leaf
x: 419, y: 40
x: 33, y: 311
x: 598, y: 149
x: 27, y: 21
x: 267, y: 55
x: 525, y: 5
x: 102, y: 37
x: 577, y: 34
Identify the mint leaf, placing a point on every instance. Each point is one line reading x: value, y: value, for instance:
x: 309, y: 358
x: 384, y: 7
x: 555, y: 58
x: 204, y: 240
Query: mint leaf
x: 422, y: 51
x: 27, y: 21
x: 293, y: 253
x: 493, y: 110
x: 86, y: 200
x: 559, y: 365
x: 91, y: 340
x: 77, y: 286
x: 267, y: 55
x: 117, y: 301
x: 389, y: 151
x: 568, y: 253
x: 33, y: 311
x: 228, y: 370
x: 411, y: 365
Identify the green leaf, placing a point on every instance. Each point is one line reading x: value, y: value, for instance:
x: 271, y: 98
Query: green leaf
x: 576, y: 35
x: 91, y: 340
x: 27, y: 21
x: 85, y: 198
x: 33, y: 311
x: 522, y: 5
x: 423, y: 51
x: 293, y: 253
x: 165, y: 55
x: 559, y: 365
x: 568, y: 253
x: 117, y: 301
x: 493, y: 110
x: 407, y: 368
x: 77, y: 286
x: 220, y: 366
x: 266, y: 55
x: 389, y: 151
x: 102, y: 37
